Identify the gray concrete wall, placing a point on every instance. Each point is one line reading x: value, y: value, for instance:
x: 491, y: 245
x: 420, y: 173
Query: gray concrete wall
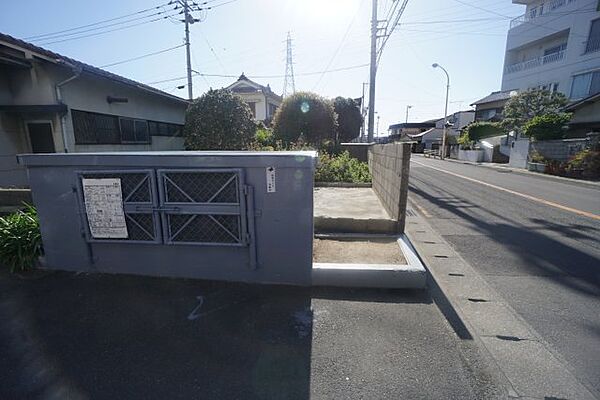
x: 560, y: 150
x: 390, y: 167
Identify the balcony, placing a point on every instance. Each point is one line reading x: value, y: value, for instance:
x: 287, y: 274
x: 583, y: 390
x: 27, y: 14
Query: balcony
x: 592, y: 45
x: 543, y: 8
x: 534, y: 62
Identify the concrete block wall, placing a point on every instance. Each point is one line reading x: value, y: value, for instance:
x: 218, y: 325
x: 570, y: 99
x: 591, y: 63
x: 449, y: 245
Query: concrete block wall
x: 560, y: 150
x: 390, y: 167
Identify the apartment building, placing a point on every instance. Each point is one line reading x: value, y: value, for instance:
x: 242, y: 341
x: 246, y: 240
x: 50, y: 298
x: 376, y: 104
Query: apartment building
x: 554, y: 45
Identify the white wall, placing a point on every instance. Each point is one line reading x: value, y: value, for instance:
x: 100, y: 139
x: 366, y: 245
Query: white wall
x: 13, y: 141
x: 531, y: 38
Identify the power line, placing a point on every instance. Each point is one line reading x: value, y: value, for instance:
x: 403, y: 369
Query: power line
x: 108, y: 31
x: 78, y: 32
x: 261, y: 76
x: 142, y: 56
x: 96, y: 23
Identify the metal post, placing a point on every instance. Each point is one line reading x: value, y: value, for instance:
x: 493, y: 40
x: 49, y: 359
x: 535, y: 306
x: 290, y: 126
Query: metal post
x: 373, y: 72
x: 362, y: 113
x: 187, y: 49
x: 443, y: 152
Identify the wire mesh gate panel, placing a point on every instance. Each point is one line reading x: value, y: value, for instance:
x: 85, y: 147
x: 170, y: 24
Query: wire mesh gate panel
x: 203, y: 207
x: 235, y: 216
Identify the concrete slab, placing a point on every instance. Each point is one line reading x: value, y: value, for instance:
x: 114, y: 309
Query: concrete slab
x: 359, y: 267
x: 350, y: 210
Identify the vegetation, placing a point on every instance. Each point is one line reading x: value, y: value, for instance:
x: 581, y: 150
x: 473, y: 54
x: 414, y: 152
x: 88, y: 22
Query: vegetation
x: 219, y: 120
x: 547, y: 126
x: 349, y: 119
x: 536, y: 157
x: 465, y: 141
x: 342, y: 168
x: 586, y: 163
x: 520, y: 109
x: 307, y: 118
x: 20, y: 239
x: 483, y: 129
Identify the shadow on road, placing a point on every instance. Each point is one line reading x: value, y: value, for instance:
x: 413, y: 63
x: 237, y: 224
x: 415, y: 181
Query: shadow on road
x: 540, y: 252
x: 118, y: 336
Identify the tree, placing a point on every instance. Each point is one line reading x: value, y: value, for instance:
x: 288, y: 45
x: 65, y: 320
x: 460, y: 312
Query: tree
x: 306, y: 116
x: 523, y: 107
x: 218, y: 120
x: 476, y: 131
x: 547, y: 126
x: 349, y: 119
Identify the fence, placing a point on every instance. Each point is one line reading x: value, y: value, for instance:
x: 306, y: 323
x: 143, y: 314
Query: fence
x: 390, y: 167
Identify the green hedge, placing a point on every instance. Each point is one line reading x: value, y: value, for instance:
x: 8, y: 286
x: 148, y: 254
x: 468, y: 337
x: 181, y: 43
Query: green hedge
x: 341, y: 168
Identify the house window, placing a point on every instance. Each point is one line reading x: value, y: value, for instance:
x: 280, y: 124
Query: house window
x: 164, y: 129
x: 593, y: 42
x: 95, y: 128
x: 92, y: 128
x: 134, y: 130
x: 252, y: 106
x: 585, y: 85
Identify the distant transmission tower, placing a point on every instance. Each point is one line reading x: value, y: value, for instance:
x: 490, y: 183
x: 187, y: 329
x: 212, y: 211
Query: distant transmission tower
x: 289, y: 86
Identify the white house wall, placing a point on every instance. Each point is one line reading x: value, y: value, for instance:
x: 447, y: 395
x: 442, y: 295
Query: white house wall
x: 530, y: 39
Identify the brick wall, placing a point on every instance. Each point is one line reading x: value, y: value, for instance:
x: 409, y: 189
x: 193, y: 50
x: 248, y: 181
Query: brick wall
x: 561, y: 150
x: 390, y: 166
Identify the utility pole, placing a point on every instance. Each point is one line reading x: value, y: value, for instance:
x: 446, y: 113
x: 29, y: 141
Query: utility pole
x: 187, y: 18
x: 373, y: 70
x: 363, y: 112
x: 407, y: 108
x: 443, y: 152
x: 289, y: 84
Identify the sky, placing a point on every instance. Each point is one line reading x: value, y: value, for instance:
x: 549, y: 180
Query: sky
x: 330, y: 46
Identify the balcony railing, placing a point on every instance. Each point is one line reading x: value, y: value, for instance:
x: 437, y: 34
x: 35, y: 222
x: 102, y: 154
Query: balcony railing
x: 592, y: 45
x: 542, y: 9
x: 534, y: 62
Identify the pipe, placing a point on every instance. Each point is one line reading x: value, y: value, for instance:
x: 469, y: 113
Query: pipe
x: 63, y: 118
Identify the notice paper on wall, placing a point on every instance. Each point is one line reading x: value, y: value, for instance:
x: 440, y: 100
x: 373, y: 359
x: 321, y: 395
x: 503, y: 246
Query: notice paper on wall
x: 104, y: 208
x: 271, y: 180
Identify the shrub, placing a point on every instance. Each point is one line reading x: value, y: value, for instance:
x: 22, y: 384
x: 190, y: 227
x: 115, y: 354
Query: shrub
x: 465, y: 142
x: 349, y: 119
x: 547, y: 126
x: 305, y: 117
x: 526, y: 105
x: 341, y: 168
x: 536, y: 157
x: 218, y: 120
x: 586, y: 161
x: 482, y: 129
x: 20, y: 239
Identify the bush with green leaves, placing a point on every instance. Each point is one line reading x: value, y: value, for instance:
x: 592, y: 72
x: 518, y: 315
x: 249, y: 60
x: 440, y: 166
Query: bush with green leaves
x: 465, y: 141
x: 483, y: 129
x: 219, y: 120
x: 20, y: 239
x: 305, y: 117
x: 349, y: 119
x: 341, y: 168
x: 521, y: 108
x: 587, y: 161
x: 547, y: 126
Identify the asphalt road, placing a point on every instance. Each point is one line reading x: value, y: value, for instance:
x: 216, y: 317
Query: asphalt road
x: 96, y: 336
x: 536, y: 242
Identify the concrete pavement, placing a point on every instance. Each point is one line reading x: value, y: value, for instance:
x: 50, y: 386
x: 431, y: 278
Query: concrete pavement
x: 103, y: 336
x: 543, y: 261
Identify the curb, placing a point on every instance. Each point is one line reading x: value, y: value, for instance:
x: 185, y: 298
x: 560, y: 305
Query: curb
x: 528, y: 366
x: 525, y: 172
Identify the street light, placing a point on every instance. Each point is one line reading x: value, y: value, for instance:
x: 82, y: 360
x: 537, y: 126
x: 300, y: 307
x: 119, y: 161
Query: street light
x: 443, y: 153
x: 407, y: 108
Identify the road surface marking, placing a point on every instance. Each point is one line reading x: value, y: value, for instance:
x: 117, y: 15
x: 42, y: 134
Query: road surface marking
x: 526, y: 196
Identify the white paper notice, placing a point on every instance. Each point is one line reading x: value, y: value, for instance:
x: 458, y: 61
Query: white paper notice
x: 270, y: 179
x: 104, y: 208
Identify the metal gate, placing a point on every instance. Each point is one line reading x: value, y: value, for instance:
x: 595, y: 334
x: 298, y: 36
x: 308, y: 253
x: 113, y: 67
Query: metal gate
x: 209, y: 207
